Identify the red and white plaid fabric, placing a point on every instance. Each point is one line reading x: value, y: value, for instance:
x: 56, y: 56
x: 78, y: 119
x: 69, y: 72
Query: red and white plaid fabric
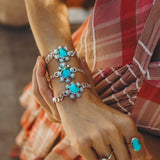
x: 117, y: 40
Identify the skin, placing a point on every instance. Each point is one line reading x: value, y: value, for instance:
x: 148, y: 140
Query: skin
x: 93, y: 128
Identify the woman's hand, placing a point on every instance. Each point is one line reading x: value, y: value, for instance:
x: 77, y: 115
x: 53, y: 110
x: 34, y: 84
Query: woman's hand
x: 94, y: 129
x: 42, y: 92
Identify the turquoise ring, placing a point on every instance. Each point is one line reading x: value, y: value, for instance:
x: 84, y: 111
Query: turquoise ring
x: 136, y: 144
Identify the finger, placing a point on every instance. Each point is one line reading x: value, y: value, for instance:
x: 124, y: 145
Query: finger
x: 133, y: 153
x: 117, y: 143
x: 84, y: 148
x: 129, y: 133
x: 89, y: 154
x: 119, y: 148
x: 38, y: 96
x: 36, y: 92
x: 65, y: 144
x: 102, y: 148
x: 44, y: 89
x: 148, y: 155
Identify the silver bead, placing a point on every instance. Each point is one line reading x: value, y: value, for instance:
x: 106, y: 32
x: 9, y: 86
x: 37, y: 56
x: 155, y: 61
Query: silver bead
x: 54, y: 100
x: 72, y: 75
x: 81, y: 90
x: 67, y: 80
x: 69, y: 53
x: 67, y: 86
x: 59, y: 73
x: 55, y: 51
x: 59, y: 47
x: 66, y: 48
x: 72, y: 96
x: 71, y: 69
x: 66, y: 58
x: 78, y: 84
x: 61, y: 79
x: 67, y: 92
x: 62, y: 64
x: 60, y: 60
x: 56, y: 56
x: 71, y: 83
x: 78, y: 95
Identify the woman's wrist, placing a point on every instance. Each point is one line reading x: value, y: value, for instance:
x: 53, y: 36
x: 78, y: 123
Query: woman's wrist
x: 58, y: 86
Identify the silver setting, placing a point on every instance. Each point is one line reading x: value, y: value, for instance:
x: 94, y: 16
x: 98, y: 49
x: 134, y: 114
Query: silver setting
x: 56, y: 55
x: 59, y: 73
x: 71, y: 94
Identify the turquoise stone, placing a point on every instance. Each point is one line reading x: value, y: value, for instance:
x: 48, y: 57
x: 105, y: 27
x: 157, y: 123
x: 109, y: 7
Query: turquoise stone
x: 136, y: 144
x: 62, y: 53
x: 65, y: 72
x: 74, y: 88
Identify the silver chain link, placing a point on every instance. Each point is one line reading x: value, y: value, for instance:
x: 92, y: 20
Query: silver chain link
x: 59, y: 98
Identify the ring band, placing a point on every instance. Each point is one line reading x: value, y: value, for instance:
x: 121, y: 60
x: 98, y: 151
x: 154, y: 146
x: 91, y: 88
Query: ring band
x: 109, y: 157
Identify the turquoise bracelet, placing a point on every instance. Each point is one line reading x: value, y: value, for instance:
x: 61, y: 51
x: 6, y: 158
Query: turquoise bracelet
x: 66, y: 73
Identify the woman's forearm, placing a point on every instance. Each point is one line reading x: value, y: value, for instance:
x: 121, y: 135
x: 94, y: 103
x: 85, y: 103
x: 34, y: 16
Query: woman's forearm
x: 50, y: 26
x: 49, y: 23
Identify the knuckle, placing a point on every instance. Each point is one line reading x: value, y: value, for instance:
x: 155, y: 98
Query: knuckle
x: 130, y: 124
x: 96, y: 136
x: 80, y: 144
x: 111, y: 129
